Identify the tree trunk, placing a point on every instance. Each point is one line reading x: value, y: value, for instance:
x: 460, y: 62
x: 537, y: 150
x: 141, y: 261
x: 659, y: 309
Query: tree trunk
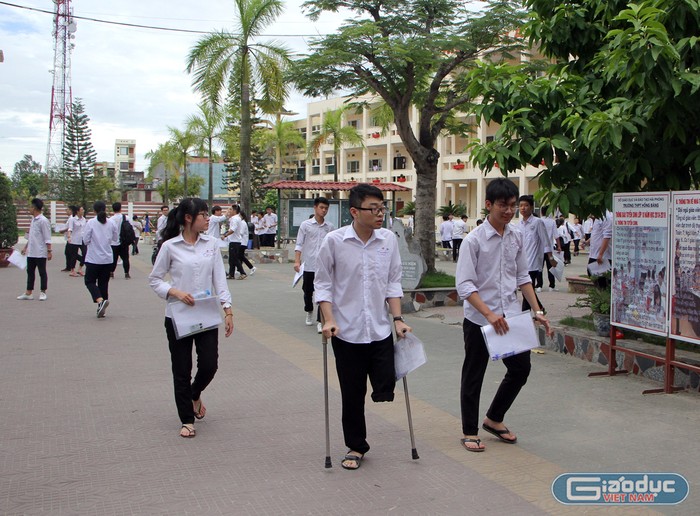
x: 245, y: 148
x: 210, y: 196
x: 424, y: 220
x: 184, y: 180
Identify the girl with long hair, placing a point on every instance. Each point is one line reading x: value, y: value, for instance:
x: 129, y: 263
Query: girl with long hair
x: 194, y: 263
x: 98, y: 236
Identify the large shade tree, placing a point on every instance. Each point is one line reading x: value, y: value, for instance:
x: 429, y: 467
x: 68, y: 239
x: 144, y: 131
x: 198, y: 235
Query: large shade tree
x: 412, y: 54
x: 236, y: 63
x: 28, y: 180
x: 616, y: 108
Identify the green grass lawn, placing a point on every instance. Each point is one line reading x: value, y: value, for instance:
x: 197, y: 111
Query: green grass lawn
x: 437, y: 279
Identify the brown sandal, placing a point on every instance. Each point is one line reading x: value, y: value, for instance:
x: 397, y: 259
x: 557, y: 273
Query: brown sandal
x: 187, y: 431
x: 199, y: 409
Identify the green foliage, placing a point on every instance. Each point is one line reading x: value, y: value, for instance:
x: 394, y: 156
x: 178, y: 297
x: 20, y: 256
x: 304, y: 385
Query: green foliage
x: 77, y: 181
x: 235, y: 64
x: 206, y: 127
x: 616, y: 108
x: 176, y: 187
x: 456, y: 210
x: 260, y: 170
x: 334, y: 132
x: 281, y: 139
x: 413, y: 54
x: 596, y: 298
x: 409, y: 208
x: 8, y: 214
x: 28, y: 181
x: 269, y: 199
x: 437, y: 279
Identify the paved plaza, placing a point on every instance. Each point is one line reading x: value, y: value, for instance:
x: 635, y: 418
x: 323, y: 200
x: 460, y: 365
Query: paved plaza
x: 90, y: 424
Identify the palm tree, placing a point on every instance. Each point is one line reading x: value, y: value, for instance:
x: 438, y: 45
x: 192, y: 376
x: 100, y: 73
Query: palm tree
x: 224, y: 62
x: 282, y: 136
x: 183, y: 141
x: 334, y: 132
x: 206, y: 126
x: 167, y: 155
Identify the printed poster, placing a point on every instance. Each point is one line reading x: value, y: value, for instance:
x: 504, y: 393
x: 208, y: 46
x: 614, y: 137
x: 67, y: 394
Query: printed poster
x: 685, y: 274
x: 640, y: 262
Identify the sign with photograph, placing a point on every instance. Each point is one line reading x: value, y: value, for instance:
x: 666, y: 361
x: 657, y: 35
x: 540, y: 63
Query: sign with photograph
x: 685, y: 274
x: 640, y: 262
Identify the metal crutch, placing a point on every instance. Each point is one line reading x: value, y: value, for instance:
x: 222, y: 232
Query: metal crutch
x: 324, y: 342
x: 414, y: 452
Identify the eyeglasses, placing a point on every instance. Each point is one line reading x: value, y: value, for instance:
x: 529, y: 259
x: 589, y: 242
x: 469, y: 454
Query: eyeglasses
x: 505, y: 207
x: 376, y: 210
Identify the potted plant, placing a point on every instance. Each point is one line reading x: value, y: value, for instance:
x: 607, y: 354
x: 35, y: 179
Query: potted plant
x: 598, y: 300
x: 459, y: 165
x: 8, y: 220
x: 376, y: 135
x: 376, y: 180
x: 401, y: 179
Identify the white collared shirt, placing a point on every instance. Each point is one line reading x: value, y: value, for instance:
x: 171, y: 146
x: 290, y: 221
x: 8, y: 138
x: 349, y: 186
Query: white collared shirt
x: 446, y: 230
x: 459, y: 228
x: 601, y: 229
x: 99, y: 237
x: 117, y: 220
x: 192, y: 268
x: 494, y: 266
x: 270, y: 224
x: 535, y: 240
x: 357, y: 278
x: 241, y: 234
x: 160, y: 226
x: 76, y: 227
x: 552, y: 232
x: 309, y: 239
x: 39, y: 237
x: 214, y: 229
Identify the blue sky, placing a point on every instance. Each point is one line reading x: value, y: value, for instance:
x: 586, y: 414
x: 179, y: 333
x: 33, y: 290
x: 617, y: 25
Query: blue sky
x: 132, y: 81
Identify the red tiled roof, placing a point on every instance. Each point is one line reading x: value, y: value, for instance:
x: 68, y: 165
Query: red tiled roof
x: 330, y: 186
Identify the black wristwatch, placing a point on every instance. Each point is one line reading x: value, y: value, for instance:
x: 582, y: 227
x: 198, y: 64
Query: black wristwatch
x: 399, y: 318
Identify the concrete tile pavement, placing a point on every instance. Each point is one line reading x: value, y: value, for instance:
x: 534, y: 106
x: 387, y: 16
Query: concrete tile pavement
x: 92, y: 428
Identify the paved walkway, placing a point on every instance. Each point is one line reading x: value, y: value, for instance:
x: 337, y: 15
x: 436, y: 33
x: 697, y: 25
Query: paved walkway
x: 90, y: 425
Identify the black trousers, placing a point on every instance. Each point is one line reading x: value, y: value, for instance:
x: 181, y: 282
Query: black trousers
x: 456, y: 243
x: 242, y: 258
x: 567, y: 251
x: 207, y: 348
x: 576, y: 242
x: 97, y: 280
x: 308, y: 287
x: 550, y: 276
x: 234, y: 260
x: 121, y: 251
x: 354, y: 364
x: 476, y: 358
x: 75, y: 256
x: 534, y: 276
x: 32, y: 265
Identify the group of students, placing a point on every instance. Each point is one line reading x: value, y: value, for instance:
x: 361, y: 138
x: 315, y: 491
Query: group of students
x: 452, y: 232
x: 357, y: 283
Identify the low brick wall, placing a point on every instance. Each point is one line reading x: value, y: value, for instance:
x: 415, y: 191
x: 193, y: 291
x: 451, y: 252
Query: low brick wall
x: 587, y: 346
x: 415, y: 300
x: 578, y: 284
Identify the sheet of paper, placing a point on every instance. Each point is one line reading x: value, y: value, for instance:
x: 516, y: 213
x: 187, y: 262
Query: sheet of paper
x: 298, y: 275
x: 204, y: 315
x: 521, y: 337
x: 558, y: 271
x: 18, y: 259
x: 597, y: 269
x: 409, y: 355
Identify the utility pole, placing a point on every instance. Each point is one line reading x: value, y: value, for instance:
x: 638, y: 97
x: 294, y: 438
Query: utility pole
x: 61, y: 93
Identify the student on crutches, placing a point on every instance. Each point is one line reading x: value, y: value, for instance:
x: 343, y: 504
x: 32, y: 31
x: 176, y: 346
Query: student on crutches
x: 358, y: 272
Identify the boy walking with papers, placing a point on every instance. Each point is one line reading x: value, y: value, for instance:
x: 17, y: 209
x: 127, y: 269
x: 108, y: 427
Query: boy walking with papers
x: 492, y: 265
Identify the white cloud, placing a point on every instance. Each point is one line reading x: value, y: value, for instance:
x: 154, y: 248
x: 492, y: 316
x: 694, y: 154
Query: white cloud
x: 132, y: 81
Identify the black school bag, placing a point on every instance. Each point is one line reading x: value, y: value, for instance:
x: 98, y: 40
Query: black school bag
x: 127, y: 235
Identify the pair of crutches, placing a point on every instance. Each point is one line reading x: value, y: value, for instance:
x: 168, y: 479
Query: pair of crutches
x: 414, y: 452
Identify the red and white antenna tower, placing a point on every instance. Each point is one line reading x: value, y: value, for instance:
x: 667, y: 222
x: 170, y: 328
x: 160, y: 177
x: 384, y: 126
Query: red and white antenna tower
x: 61, y: 94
